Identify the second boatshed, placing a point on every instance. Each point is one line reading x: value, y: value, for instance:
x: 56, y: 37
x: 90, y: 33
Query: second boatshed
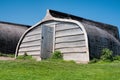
x: 10, y: 34
x: 77, y: 38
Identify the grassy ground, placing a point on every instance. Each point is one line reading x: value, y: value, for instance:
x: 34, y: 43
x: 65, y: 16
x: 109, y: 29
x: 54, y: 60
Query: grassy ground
x: 53, y: 70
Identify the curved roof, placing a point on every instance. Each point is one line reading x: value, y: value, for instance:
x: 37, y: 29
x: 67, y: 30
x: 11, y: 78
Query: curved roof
x: 24, y: 25
x: 10, y: 34
x: 11, y: 30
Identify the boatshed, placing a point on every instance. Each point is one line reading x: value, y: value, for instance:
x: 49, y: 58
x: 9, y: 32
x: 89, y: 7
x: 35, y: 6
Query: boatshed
x: 77, y: 38
x: 10, y: 34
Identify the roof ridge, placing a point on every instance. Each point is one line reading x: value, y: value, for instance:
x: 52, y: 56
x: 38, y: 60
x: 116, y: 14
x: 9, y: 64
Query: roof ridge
x: 15, y: 23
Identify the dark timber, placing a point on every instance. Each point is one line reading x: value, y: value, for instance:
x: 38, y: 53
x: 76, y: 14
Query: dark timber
x: 10, y: 34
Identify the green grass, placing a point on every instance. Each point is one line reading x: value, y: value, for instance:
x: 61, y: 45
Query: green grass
x: 58, y: 70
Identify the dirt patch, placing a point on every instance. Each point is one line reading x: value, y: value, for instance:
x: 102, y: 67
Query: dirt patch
x: 6, y: 58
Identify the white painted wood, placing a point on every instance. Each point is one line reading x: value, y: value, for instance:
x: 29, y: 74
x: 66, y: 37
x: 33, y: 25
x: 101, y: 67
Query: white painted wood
x: 80, y: 43
x: 29, y: 48
x: 63, y: 26
x: 69, y: 46
x: 30, y: 53
x: 70, y: 41
x: 32, y: 34
x: 69, y: 50
x: 70, y: 38
x: 51, y: 23
x: 35, y: 31
x: 32, y: 43
x: 72, y: 34
x: 31, y: 38
x: 68, y: 32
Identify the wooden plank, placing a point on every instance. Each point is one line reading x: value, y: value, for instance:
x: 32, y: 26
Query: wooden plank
x: 70, y: 38
x: 50, y: 23
x: 30, y: 48
x: 69, y: 47
x: 69, y: 50
x: 75, y: 31
x: 66, y: 29
x: 59, y: 36
x: 30, y: 53
x: 32, y: 34
x: 64, y: 26
x: 31, y: 38
x: 33, y: 43
x: 37, y: 30
x: 69, y: 41
x: 68, y: 32
x: 79, y: 43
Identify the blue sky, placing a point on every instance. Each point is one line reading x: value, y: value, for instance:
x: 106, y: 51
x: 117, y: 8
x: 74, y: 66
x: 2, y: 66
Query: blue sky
x: 31, y: 11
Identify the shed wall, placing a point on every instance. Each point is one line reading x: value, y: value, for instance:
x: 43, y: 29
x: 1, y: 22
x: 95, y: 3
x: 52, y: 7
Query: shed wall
x: 70, y: 40
x: 31, y: 43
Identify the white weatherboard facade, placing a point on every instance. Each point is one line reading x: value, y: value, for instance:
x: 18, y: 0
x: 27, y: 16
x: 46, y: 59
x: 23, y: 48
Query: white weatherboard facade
x: 65, y: 35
